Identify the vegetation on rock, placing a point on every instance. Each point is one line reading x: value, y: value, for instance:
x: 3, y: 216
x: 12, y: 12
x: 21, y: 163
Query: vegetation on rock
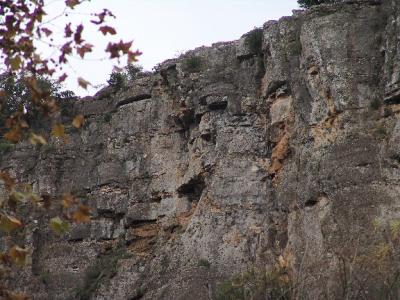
x: 310, y: 3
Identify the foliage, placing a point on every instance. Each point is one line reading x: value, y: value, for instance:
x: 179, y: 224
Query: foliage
x: 310, y: 3
x: 193, y: 64
x: 118, y: 80
x: 5, y: 146
x: 103, y: 269
x: 204, y: 263
x: 30, y: 90
x: 133, y: 71
x: 375, y: 104
x: 22, y: 24
x: 17, y: 98
x: 254, y: 40
x: 107, y: 118
x: 256, y: 284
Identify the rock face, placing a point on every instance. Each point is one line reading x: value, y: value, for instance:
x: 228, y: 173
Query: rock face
x: 274, y: 154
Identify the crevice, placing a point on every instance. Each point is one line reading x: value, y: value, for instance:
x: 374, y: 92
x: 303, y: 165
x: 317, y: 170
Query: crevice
x: 392, y: 98
x: 274, y: 86
x: 311, y: 202
x: 220, y: 105
x: 139, y: 223
x: 133, y: 99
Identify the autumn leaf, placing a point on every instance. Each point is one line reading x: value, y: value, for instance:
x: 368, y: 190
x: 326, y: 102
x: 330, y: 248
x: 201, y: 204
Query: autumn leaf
x: 14, y: 135
x: 82, y: 215
x: 107, y: 29
x: 15, y: 63
x: 58, y: 131
x: 78, y: 121
x: 67, y: 200
x: 37, y: 139
x: 9, y: 223
x: 78, y: 34
x: 58, y: 225
x: 46, y: 31
x: 3, y: 93
x: 9, y: 182
x: 68, y: 31
x: 72, y: 3
x: 18, y: 255
x: 16, y: 296
x: 132, y: 56
x: 83, y: 83
x: 62, y: 77
x: 84, y: 49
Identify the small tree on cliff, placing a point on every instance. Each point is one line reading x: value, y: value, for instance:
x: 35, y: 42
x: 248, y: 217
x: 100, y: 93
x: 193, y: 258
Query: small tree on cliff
x: 309, y: 3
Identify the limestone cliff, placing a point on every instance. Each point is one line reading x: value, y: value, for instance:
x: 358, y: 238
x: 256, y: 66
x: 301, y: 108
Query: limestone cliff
x: 277, y: 151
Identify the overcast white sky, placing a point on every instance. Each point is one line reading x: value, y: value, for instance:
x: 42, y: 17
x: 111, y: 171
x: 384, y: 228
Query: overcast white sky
x: 163, y: 28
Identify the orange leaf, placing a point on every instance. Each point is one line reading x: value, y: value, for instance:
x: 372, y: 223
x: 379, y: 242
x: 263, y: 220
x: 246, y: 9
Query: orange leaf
x: 78, y: 121
x: 58, y: 131
x: 67, y: 200
x: 107, y: 29
x: 3, y: 93
x: 9, y: 182
x: 46, y: 31
x: 72, y: 3
x: 18, y: 255
x: 16, y: 296
x: 82, y: 215
x: 14, y: 135
x: 84, y: 49
x: 83, y: 83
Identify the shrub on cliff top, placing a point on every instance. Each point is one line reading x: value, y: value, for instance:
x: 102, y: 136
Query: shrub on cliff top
x: 254, y: 40
x: 309, y: 3
x: 192, y: 64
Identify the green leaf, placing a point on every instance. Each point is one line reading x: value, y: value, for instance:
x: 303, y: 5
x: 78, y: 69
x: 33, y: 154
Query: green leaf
x: 15, y: 63
x: 9, y: 223
x: 58, y: 225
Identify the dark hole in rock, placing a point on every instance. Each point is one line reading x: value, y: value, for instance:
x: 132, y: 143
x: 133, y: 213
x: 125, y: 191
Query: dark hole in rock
x: 133, y: 99
x: 203, y: 100
x: 192, y: 189
x: 218, y: 105
x: 198, y: 118
x: 394, y: 98
x: 137, y: 223
x: 311, y: 202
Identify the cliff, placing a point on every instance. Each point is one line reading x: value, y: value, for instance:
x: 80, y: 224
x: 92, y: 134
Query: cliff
x: 263, y: 167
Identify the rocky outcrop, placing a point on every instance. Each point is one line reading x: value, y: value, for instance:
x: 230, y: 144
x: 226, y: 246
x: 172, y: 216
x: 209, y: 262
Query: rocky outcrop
x: 276, y: 151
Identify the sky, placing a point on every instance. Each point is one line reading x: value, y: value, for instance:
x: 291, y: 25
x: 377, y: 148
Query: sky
x: 163, y: 29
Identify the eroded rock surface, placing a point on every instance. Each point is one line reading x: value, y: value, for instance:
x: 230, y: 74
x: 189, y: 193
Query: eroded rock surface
x: 207, y: 169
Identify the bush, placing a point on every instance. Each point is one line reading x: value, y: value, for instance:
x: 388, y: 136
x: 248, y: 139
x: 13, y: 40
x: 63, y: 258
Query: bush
x: 204, y: 263
x: 254, y: 40
x: 5, y: 146
x: 117, y: 80
x: 103, y: 269
x: 133, y: 71
x: 192, y: 64
x: 375, y: 104
x: 256, y: 284
x: 107, y: 118
x: 309, y: 3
